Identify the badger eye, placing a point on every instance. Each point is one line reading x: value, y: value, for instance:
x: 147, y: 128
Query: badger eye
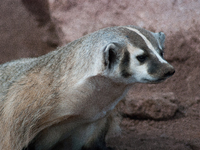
x: 141, y: 58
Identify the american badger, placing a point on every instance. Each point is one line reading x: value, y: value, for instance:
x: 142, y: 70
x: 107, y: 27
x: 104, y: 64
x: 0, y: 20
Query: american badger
x: 64, y: 100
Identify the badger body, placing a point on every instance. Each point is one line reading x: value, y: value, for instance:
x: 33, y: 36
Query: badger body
x: 65, y: 99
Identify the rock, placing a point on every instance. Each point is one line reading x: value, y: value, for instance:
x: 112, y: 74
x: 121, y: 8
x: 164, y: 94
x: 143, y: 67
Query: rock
x: 75, y: 18
x: 40, y: 10
x: 20, y: 36
x: 156, y: 106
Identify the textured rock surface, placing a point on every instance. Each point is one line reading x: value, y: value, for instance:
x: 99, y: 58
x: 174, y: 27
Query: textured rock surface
x: 157, y: 106
x: 20, y: 35
x: 75, y: 18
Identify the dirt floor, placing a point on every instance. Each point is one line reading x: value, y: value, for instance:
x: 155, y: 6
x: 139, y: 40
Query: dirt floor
x: 180, y: 132
x: 20, y: 36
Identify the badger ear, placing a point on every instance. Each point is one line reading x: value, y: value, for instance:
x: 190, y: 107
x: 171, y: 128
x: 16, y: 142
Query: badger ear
x: 110, y: 54
x: 162, y: 39
x: 160, y: 36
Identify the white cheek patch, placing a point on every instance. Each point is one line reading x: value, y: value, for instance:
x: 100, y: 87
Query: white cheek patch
x: 150, y: 46
x: 140, y: 73
x: 136, y: 53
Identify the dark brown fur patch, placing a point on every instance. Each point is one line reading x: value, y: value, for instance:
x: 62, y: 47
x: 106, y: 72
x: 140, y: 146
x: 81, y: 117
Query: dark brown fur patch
x: 125, y: 63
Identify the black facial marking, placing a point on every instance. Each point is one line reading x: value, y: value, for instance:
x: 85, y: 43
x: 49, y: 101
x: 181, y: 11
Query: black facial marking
x: 125, y: 73
x: 124, y: 66
x: 153, y: 66
x: 126, y: 58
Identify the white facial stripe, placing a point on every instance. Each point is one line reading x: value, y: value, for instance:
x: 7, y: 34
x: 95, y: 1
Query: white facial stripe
x: 150, y: 46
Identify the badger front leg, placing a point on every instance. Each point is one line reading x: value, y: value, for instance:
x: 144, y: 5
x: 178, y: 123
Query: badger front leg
x: 98, y: 132
x: 97, y: 143
x: 87, y: 136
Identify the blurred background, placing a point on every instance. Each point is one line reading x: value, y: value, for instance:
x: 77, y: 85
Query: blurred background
x: 161, y: 116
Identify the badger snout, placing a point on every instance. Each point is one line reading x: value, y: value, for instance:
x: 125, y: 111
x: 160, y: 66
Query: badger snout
x: 165, y: 71
x: 160, y: 71
x: 168, y: 71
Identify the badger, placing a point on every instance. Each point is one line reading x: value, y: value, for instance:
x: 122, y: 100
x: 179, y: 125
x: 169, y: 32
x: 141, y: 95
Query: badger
x: 66, y: 99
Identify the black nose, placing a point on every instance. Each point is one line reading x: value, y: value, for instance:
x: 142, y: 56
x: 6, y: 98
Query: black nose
x: 169, y: 72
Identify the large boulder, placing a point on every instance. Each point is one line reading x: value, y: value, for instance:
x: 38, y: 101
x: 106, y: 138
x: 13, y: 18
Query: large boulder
x: 157, y: 106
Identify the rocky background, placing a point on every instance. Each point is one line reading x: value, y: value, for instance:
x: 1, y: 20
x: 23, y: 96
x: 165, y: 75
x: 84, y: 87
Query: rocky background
x: 163, y: 116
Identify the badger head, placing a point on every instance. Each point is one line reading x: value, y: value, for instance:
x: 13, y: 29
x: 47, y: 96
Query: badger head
x: 138, y: 58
